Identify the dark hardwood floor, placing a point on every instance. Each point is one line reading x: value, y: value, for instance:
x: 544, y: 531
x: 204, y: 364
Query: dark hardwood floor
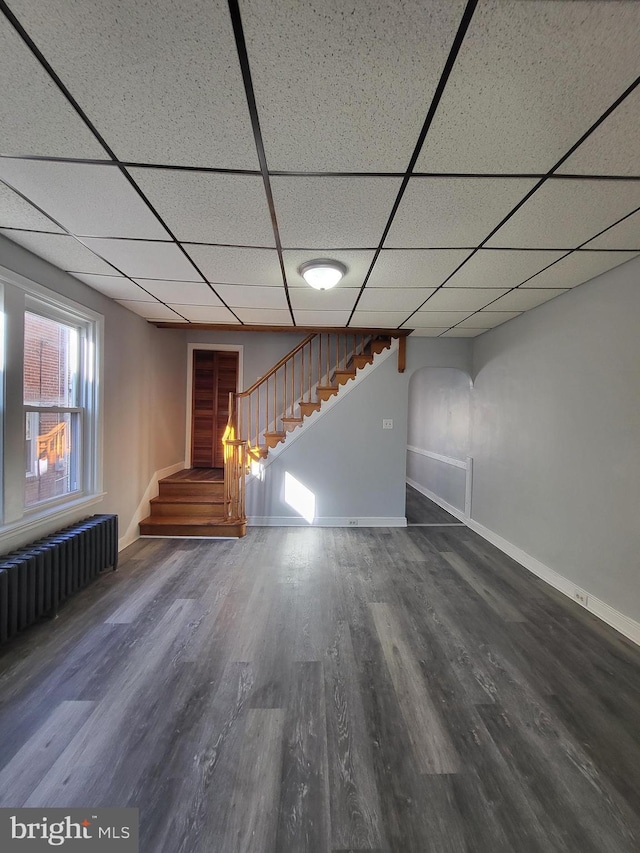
x: 329, y: 690
x: 421, y: 510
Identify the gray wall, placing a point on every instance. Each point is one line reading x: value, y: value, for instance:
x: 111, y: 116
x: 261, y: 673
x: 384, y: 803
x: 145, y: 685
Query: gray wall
x: 556, y: 434
x: 439, y: 412
x: 144, y: 391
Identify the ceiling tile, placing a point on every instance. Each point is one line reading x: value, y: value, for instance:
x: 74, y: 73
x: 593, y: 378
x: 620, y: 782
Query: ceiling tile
x: 333, y: 212
x: 462, y: 299
x: 459, y: 332
x: 488, y: 319
x: 115, y: 287
x: 393, y: 298
x: 252, y: 296
x: 548, y: 219
x: 379, y: 319
x: 337, y: 299
x: 61, y: 250
x: 265, y: 316
x: 142, y: 259
x: 209, y: 208
x: 86, y: 199
x: 226, y: 265
x: 624, y: 235
x: 501, y: 268
x: 415, y: 268
x: 614, y: 147
x: 357, y: 263
x: 363, y: 109
x: 205, y: 313
x: 453, y: 212
x: 152, y: 310
x: 35, y: 117
x: 15, y: 212
x: 530, y: 79
x: 182, y: 292
x: 322, y: 318
x: 432, y: 319
x: 577, y: 268
x: 428, y: 333
x: 524, y: 298
x: 169, y: 87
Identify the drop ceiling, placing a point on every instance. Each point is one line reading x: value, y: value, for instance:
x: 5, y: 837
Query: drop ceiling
x: 467, y: 161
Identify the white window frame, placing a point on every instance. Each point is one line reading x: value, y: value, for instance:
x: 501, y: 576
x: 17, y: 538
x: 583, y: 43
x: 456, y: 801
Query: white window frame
x: 21, y: 295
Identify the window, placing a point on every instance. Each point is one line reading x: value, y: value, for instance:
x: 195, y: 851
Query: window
x: 51, y: 425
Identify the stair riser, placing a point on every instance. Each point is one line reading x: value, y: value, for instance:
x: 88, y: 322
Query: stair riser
x: 327, y: 394
x: 161, y: 509
x: 212, y: 530
x: 342, y: 378
x: 204, y: 490
x: 360, y: 361
x: 378, y: 346
x: 309, y: 408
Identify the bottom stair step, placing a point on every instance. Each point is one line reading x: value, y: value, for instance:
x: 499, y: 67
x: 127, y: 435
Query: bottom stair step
x: 202, y: 526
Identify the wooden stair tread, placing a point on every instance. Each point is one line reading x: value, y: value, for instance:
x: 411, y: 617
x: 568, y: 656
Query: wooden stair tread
x: 187, y: 499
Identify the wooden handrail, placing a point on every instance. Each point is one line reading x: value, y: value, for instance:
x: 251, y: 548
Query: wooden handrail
x: 277, y: 366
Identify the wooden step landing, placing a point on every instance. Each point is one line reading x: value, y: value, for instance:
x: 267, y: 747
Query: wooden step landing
x: 183, y: 526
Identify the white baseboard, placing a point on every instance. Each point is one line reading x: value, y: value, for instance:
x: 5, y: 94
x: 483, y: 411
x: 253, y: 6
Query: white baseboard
x: 627, y: 626
x: 326, y: 521
x: 132, y: 532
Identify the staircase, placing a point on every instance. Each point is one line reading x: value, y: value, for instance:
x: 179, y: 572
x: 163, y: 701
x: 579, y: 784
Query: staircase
x: 204, y: 502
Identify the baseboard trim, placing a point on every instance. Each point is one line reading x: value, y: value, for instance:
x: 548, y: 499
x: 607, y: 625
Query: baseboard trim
x: 327, y: 521
x: 132, y: 532
x: 625, y: 625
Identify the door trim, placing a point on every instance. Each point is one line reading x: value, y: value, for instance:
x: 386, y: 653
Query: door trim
x: 190, y: 350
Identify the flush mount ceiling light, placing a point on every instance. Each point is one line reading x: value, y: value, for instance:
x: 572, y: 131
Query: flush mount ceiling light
x: 323, y: 273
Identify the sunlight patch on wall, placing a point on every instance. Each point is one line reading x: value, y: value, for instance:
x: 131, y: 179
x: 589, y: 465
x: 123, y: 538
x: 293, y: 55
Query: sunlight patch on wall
x: 299, y: 498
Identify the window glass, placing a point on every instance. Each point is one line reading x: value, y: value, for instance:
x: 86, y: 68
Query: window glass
x: 50, y: 362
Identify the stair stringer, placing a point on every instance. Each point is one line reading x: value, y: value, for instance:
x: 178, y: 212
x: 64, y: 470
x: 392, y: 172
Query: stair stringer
x: 312, y: 420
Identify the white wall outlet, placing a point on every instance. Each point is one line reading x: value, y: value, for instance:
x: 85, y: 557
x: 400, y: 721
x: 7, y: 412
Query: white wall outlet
x: 353, y: 522
x: 581, y: 597
x: 387, y: 423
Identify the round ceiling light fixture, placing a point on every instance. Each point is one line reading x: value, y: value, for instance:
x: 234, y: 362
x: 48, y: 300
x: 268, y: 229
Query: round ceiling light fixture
x: 322, y: 274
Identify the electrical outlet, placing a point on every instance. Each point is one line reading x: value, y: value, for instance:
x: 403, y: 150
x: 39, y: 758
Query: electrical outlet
x: 581, y: 597
x: 353, y: 522
x: 387, y: 423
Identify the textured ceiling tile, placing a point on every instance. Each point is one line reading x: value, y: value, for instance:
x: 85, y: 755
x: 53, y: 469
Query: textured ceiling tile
x: 182, y: 292
x: 357, y: 264
x: 15, y: 212
x: 625, y: 235
x: 205, y: 313
x: 337, y: 299
x: 35, y: 117
x: 463, y: 299
x: 564, y: 213
x: 152, y: 311
x: 399, y: 298
x: 416, y: 268
x: 333, y: 212
x: 321, y: 318
x: 265, y: 316
x: 431, y: 319
x: 524, y: 298
x: 60, y: 250
x: 488, y: 319
x: 530, y: 79
x: 459, y: 332
x: 116, y: 287
x: 378, y: 319
x: 142, y: 259
x: 501, y: 268
x: 209, y: 208
x: 226, y: 265
x: 169, y: 87
x: 346, y: 86
x: 614, y: 147
x: 252, y: 296
x: 453, y: 212
x: 578, y: 268
x: 86, y: 199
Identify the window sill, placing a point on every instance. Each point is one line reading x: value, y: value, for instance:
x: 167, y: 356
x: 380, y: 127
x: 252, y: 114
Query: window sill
x: 50, y: 514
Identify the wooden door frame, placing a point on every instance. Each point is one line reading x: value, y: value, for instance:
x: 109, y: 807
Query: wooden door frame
x: 190, y: 350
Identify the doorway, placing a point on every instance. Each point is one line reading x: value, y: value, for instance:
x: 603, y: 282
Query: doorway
x: 214, y: 374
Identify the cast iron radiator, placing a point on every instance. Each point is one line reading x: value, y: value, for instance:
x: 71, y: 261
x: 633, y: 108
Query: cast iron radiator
x: 35, y: 579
